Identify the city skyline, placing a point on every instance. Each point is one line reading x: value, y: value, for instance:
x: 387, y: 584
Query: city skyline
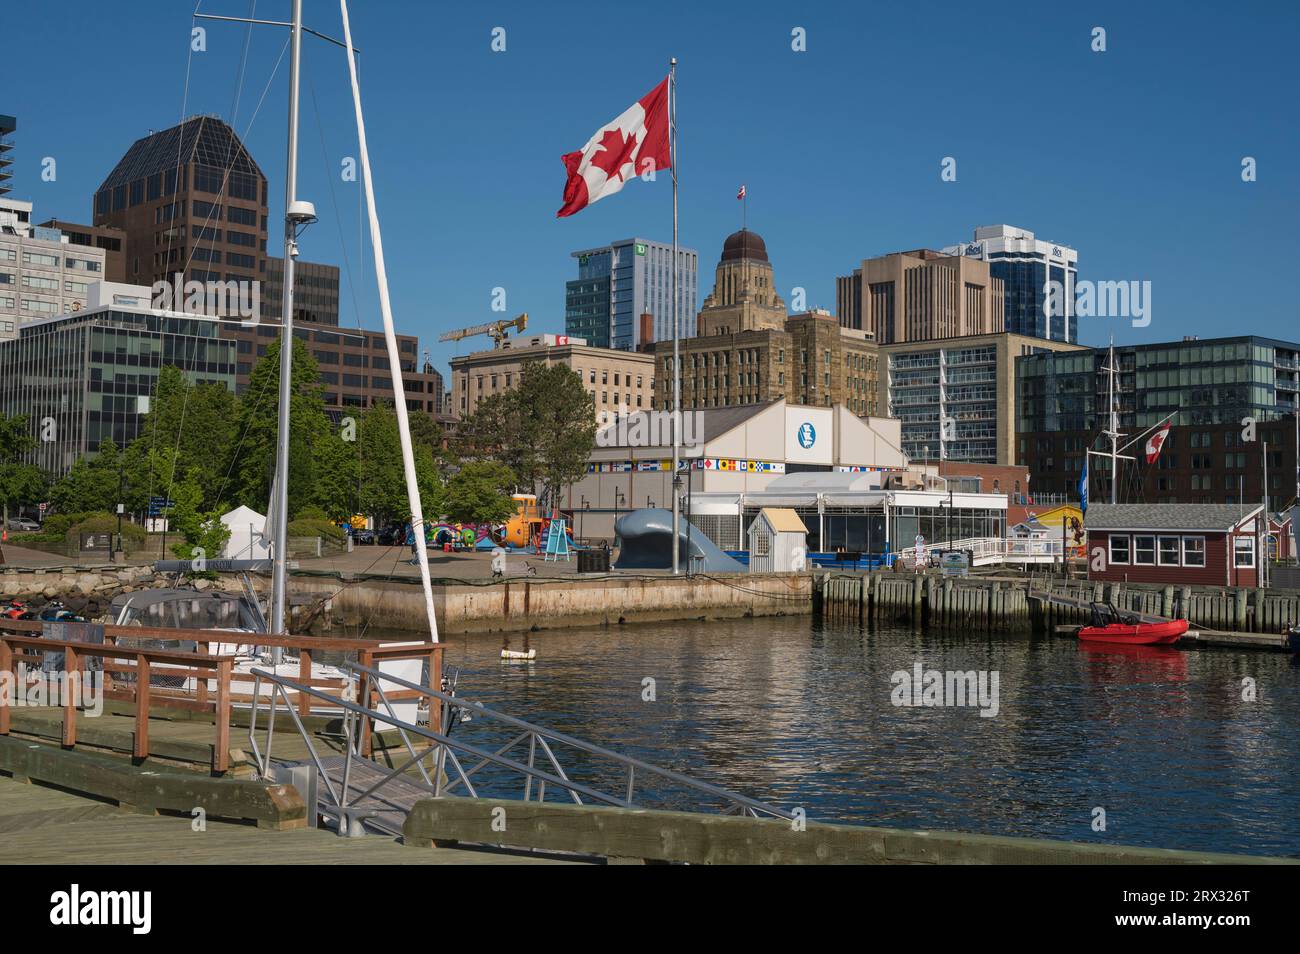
x: 1126, y: 190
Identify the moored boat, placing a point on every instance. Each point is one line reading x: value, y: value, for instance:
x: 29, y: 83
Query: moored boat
x: 1109, y: 626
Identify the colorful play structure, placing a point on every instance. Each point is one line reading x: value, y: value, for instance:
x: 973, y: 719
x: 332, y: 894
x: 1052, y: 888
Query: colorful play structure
x: 527, y: 529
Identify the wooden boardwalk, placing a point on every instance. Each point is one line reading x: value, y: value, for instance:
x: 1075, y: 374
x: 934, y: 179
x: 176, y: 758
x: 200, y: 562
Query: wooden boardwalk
x: 45, y: 826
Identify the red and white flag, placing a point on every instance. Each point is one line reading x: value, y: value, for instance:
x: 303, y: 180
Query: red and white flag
x: 1155, y: 442
x: 633, y: 144
x: 741, y: 193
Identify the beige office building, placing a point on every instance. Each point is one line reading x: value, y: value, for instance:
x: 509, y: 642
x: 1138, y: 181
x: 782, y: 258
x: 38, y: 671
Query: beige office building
x: 749, y: 351
x: 615, y: 380
x: 921, y: 295
x: 41, y: 274
x: 956, y: 397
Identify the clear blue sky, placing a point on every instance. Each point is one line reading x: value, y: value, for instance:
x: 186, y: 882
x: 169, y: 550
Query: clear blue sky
x: 1132, y: 156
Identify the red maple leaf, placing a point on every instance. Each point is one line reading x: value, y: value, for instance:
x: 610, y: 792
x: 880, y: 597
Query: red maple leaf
x: 614, y: 153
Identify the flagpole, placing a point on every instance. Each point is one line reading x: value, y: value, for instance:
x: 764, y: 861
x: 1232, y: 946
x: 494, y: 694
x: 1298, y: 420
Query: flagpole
x: 677, y: 360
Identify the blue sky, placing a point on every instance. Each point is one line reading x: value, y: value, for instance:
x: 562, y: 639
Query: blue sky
x: 1132, y: 156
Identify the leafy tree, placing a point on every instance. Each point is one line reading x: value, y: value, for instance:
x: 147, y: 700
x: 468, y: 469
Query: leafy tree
x: 543, y: 430
x: 382, y: 477
x: 480, y: 493
x: 257, y: 427
x: 198, y: 422
x: 20, y: 483
x: 93, y: 483
x: 203, y: 535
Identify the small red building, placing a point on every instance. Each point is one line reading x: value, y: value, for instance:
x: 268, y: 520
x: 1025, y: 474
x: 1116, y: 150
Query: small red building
x: 1209, y: 544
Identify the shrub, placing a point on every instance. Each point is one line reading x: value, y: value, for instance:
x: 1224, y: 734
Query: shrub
x: 316, y: 528
x: 105, y: 523
x: 312, y: 513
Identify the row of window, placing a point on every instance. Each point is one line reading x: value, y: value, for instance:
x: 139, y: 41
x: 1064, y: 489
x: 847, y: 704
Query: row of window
x: 1173, y: 550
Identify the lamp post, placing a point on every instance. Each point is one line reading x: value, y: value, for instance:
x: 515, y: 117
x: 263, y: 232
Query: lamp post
x: 121, y: 482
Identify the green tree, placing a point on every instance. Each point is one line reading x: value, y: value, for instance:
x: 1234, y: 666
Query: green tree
x: 198, y: 422
x: 93, y: 483
x: 479, y: 492
x: 203, y: 535
x: 20, y: 483
x: 543, y: 430
x: 257, y: 427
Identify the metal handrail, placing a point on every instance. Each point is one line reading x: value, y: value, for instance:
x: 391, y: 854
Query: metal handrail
x: 444, y: 751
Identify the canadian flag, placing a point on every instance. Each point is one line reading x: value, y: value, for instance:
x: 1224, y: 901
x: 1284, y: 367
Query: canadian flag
x: 741, y: 193
x: 1155, y: 442
x: 634, y: 144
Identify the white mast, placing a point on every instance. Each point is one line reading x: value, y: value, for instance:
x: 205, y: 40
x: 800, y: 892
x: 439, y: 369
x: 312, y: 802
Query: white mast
x: 280, y: 486
x: 1112, y: 430
x: 390, y: 337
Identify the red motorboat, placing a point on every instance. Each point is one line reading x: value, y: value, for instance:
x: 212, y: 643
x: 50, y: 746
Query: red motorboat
x: 1109, y: 626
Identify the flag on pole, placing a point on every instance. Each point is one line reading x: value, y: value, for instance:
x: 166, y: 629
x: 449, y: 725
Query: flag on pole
x: 633, y: 144
x: 741, y: 193
x: 1155, y: 442
x: 1083, y: 486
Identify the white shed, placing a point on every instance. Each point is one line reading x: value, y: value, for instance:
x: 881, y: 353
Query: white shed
x: 778, y: 541
x: 245, y: 542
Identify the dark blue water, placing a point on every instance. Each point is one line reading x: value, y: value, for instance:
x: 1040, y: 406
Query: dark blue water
x: 800, y: 715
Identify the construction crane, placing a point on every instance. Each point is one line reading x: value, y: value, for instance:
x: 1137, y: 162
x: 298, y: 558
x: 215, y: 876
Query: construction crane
x: 497, y: 329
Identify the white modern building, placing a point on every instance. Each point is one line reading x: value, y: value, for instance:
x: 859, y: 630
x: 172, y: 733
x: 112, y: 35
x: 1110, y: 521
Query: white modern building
x: 41, y: 274
x: 1026, y: 264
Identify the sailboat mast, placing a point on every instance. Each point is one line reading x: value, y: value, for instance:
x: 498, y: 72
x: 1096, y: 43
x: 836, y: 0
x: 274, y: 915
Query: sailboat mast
x: 280, y: 486
x: 1113, y: 432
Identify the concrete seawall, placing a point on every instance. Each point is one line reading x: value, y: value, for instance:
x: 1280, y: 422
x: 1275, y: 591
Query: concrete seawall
x: 527, y: 604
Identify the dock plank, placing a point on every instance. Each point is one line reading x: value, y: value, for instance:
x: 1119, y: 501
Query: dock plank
x: 106, y: 835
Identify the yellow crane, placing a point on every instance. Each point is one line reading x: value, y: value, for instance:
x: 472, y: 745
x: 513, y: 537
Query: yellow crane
x: 497, y: 329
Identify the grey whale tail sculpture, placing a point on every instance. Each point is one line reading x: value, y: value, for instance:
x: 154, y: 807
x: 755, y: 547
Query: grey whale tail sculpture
x: 645, y: 543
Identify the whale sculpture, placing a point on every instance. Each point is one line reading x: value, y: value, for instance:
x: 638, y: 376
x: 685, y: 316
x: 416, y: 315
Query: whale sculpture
x: 645, y: 543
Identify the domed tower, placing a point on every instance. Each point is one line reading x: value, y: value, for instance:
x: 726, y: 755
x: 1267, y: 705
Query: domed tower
x: 744, y: 294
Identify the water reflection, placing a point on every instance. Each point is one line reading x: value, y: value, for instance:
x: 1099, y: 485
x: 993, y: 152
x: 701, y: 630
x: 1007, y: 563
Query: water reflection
x: 800, y: 715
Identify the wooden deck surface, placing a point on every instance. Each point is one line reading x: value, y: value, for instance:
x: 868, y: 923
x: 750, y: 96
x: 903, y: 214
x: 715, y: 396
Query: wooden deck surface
x: 45, y: 826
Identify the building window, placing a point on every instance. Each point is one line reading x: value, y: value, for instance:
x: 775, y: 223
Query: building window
x: 1193, y: 551
x: 1144, y: 551
x: 1243, y: 551
x: 1170, y: 551
x: 1119, y: 549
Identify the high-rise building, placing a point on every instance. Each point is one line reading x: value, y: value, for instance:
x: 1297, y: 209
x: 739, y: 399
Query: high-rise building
x: 620, y: 282
x: 7, y: 126
x: 190, y: 199
x: 955, y: 397
x: 744, y: 296
x: 1210, y: 387
x: 921, y: 295
x: 41, y: 274
x: 1026, y: 265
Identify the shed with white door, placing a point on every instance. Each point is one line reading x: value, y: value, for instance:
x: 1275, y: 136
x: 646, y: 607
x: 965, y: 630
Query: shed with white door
x: 778, y: 541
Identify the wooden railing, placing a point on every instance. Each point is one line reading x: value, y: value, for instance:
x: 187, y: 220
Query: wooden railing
x: 370, y: 652
x: 118, y: 661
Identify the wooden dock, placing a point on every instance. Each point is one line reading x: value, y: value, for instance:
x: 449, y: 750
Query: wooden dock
x: 46, y: 826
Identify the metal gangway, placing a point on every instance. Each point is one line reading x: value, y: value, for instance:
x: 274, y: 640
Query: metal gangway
x: 356, y: 794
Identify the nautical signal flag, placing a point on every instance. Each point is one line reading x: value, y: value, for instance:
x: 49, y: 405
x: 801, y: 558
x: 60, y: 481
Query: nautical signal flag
x: 1155, y: 442
x: 633, y: 144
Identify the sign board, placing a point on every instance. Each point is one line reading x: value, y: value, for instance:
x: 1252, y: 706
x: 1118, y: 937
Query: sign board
x: 96, y: 543
x: 809, y: 435
x: 160, y: 505
x: 954, y: 563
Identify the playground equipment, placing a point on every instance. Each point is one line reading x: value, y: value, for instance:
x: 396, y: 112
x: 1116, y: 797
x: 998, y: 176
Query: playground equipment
x: 645, y: 542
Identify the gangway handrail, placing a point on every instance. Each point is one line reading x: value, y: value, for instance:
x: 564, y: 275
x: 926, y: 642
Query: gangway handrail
x: 589, y: 747
x: 444, y: 749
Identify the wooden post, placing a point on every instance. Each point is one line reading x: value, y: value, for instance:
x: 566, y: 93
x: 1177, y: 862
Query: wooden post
x: 367, y: 659
x: 304, y: 676
x: 69, y: 702
x: 140, y: 748
x: 7, y: 673
x: 435, y: 683
x: 221, y: 748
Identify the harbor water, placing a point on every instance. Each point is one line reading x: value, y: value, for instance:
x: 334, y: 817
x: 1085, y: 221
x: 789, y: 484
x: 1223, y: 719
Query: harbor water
x: 1145, y: 746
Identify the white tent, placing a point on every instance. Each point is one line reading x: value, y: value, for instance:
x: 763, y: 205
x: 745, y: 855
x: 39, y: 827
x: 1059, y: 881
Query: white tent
x: 245, y: 541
